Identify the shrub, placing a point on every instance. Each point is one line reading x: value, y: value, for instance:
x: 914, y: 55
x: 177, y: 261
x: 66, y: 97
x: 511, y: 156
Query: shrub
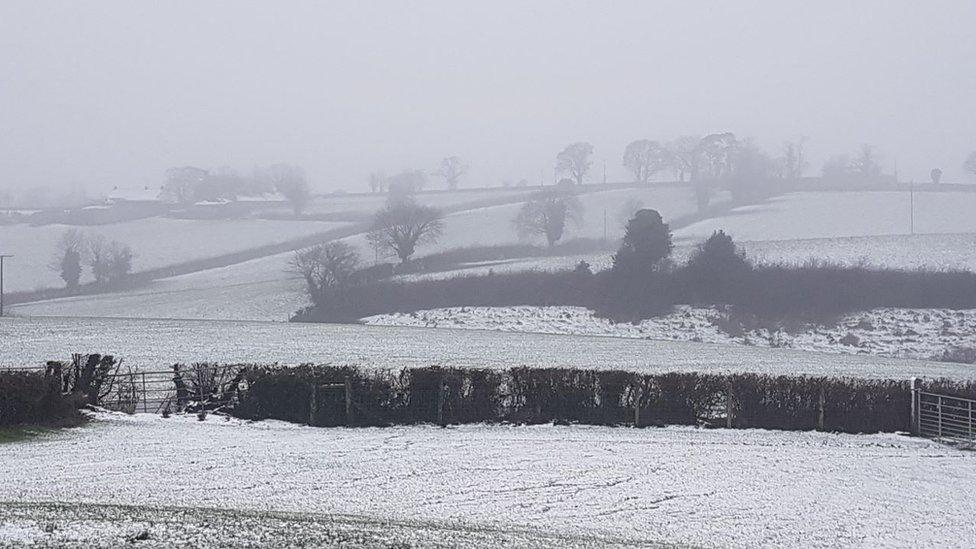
x: 647, y: 242
x: 565, y: 395
x: 34, y: 398
x: 717, y: 272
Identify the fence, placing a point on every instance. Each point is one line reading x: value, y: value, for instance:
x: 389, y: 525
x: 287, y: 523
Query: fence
x: 194, y: 388
x: 945, y: 418
x: 327, y: 395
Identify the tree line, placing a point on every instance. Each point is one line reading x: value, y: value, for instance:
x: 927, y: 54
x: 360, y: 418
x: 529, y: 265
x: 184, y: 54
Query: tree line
x: 109, y: 261
x: 641, y: 282
x: 187, y: 185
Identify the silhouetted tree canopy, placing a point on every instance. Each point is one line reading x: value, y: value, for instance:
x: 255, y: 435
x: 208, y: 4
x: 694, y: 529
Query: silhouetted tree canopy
x: 324, y: 268
x: 403, y: 225
x: 451, y: 169
x: 574, y: 161
x: 547, y: 213
x: 717, y: 270
x: 646, y: 243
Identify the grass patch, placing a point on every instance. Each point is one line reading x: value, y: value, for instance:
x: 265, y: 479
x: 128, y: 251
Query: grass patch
x: 21, y: 433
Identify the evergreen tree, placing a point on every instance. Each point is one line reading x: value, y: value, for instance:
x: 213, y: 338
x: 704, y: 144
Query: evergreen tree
x: 647, y: 242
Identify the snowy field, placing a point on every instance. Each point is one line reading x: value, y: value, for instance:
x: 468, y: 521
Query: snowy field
x: 920, y: 251
x: 156, y: 242
x: 899, y: 333
x: 927, y: 251
x: 156, y: 344
x: 367, y: 204
x: 262, y: 289
x: 548, y: 486
x: 807, y: 215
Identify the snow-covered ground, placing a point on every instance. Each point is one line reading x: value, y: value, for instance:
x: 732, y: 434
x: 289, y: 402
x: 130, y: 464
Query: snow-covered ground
x: 927, y: 251
x: 808, y: 215
x: 155, y: 344
x: 590, y: 485
x: 902, y: 333
x: 156, y: 242
x: 367, y: 204
x: 263, y: 289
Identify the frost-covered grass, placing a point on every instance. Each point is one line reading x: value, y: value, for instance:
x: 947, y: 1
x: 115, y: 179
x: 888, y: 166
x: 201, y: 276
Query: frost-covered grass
x: 156, y: 242
x: 86, y: 525
x: 586, y: 485
x: 151, y: 344
x: 903, y: 333
x: 18, y: 433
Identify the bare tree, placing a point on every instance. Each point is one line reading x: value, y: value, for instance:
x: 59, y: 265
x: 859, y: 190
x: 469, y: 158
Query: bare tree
x: 684, y: 157
x: 377, y: 181
x: 794, y: 161
x: 406, y: 183
x: 403, y: 225
x: 290, y: 181
x: 970, y: 164
x: 324, y: 268
x: 98, y: 257
x: 452, y: 168
x: 119, y: 261
x: 837, y: 167
x: 575, y: 161
x: 936, y: 175
x: 644, y: 158
x: 867, y: 163
x: 182, y: 184
x: 717, y: 154
x: 547, y: 214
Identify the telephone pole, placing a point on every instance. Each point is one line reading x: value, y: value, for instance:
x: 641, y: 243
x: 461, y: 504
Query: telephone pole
x: 2, y: 257
x: 911, y: 200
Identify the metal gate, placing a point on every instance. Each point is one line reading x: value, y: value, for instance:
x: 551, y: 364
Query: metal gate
x: 944, y: 418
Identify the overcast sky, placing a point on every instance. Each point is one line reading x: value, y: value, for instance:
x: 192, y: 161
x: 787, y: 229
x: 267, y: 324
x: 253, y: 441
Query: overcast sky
x: 105, y: 93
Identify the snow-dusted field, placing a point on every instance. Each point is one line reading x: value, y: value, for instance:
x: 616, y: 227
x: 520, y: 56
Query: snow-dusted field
x: 262, y: 289
x: 156, y: 242
x: 367, y: 204
x: 901, y: 333
x: 155, y: 344
x: 587, y: 485
x: 928, y: 251
x: 807, y: 215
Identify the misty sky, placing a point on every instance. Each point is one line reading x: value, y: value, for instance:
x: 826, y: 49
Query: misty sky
x: 110, y: 93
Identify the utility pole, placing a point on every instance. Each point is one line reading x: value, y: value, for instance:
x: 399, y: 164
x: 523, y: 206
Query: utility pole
x: 911, y: 201
x: 2, y: 257
x: 604, y: 172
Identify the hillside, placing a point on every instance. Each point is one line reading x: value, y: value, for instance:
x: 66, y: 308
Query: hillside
x: 263, y: 289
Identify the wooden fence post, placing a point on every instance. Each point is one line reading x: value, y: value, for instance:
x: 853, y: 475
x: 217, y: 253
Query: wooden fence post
x: 312, y: 405
x: 821, y: 404
x: 913, y: 421
x: 440, y: 400
x: 348, y: 402
x: 728, y: 406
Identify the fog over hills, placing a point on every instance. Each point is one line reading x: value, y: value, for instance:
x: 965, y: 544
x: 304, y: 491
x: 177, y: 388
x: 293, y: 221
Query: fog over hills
x: 100, y: 94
